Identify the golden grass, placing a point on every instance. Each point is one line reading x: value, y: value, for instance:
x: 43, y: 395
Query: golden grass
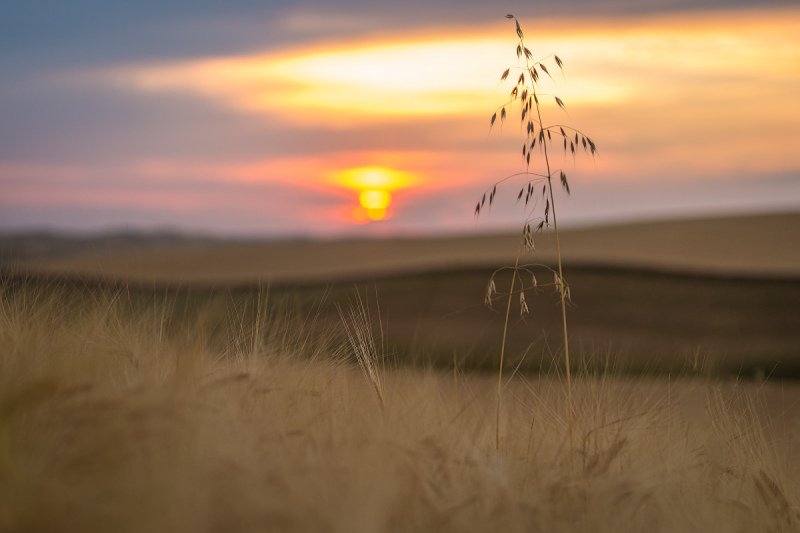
x: 113, y: 418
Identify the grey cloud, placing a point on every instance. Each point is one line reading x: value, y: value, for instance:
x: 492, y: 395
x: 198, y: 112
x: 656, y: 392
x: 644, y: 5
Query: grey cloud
x: 57, y: 32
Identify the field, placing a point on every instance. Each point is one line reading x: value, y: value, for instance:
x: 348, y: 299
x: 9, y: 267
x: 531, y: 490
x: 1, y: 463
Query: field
x: 714, y: 295
x: 142, y: 391
x: 756, y: 245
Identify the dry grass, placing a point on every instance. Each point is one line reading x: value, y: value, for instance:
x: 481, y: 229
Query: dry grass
x: 112, y: 419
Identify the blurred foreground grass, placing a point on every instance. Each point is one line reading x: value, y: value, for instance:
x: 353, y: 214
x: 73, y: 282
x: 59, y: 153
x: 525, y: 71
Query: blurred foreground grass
x: 185, y: 411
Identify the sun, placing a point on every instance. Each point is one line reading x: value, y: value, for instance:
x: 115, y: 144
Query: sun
x: 375, y: 202
x: 374, y: 185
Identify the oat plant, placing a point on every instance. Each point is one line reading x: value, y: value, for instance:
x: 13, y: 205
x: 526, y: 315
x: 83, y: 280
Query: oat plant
x: 541, y: 142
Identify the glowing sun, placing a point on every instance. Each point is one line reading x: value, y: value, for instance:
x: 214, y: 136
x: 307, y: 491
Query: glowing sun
x: 374, y: 186
x: 375, y: 202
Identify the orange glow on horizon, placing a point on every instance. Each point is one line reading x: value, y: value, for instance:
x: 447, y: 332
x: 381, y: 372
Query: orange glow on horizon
x: 374, y: 177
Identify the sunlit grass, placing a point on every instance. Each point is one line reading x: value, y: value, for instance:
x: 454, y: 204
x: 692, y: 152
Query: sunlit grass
x: 122, y: 418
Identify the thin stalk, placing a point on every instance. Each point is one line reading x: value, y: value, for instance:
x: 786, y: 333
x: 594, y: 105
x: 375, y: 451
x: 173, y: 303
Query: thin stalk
x: 561, y: 284
x: 503, y: 353
x: 562, y: 290
x: 533, y: 78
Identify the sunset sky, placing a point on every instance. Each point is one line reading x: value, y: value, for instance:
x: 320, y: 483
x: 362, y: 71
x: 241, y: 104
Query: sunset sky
x: 256, y: 118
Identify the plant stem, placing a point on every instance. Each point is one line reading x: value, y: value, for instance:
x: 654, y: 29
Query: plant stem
x: 561, y: 283
x: 503, y: 353
x: 562, y: 290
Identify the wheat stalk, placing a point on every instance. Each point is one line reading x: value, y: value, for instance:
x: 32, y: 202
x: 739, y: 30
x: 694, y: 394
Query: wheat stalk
x: 357, y: 325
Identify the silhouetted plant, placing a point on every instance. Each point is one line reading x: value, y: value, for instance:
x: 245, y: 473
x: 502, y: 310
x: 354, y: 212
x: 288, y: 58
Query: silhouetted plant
x: 540, y: 141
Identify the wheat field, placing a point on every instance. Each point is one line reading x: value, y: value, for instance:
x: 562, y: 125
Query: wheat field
x: 118, y: 417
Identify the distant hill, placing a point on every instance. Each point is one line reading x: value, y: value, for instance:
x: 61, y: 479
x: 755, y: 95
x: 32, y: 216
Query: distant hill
x: 717, y: 295
x: 759, y: 245
x: 48, y: 245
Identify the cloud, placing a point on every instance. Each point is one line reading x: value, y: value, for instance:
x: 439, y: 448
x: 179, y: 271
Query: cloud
x: 233, y: 116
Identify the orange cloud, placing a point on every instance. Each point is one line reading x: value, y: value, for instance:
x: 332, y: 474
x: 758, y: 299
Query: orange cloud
x: 686, y: 96
x: 609, y: 63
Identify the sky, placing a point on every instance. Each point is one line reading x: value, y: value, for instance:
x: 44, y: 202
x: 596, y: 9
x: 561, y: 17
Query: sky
x: 338, y: 118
